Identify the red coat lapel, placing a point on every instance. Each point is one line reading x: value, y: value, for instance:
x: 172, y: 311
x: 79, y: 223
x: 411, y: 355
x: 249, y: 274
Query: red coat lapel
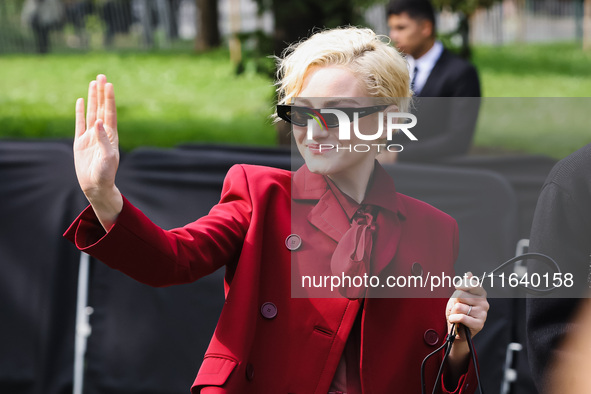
x: 329, y: 217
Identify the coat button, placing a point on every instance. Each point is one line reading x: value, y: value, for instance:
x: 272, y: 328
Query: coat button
x: 293, y: 242
x: 416, y: 269
x: 269, y: 310
x: 249, y: 371
x: 431, y: 337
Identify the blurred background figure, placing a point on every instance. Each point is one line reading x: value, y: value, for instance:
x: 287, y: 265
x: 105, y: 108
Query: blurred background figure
x: 153, y: 14
x: 42, y: 16
x: 435, y: 72
x: 75, y: 13
x: 117, y: 17
x: 173, y: 24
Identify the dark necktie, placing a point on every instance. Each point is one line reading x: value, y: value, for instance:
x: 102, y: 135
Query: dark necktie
x: 351, y: 257
x: 414, y: 79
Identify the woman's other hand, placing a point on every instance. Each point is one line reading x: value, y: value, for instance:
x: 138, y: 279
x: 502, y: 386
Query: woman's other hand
x: 467, y: 306
x: 96, y: 151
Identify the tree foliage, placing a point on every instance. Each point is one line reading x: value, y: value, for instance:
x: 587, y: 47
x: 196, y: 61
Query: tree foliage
x: 295, y: 20
x: 465, y: 9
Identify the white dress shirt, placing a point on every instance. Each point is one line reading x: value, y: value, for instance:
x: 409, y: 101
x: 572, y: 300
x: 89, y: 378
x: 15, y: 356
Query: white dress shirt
x: 424, y: 65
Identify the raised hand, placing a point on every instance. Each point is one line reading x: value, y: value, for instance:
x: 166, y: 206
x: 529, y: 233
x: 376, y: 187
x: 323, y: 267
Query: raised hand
x: 96, y: 151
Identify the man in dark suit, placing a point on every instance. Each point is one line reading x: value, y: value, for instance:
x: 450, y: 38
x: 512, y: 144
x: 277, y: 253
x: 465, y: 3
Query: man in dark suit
x: 445, y: 126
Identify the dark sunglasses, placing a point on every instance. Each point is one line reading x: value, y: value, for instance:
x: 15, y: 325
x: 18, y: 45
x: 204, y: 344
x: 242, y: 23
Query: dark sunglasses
x: 299, y: 115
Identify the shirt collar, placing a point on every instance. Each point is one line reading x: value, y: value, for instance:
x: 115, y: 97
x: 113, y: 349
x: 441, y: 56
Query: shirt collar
x: 349, y: 205
x: 428, y: 60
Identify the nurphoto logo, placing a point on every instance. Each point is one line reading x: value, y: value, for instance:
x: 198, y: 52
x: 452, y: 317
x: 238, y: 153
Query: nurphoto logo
x: 344, y: 125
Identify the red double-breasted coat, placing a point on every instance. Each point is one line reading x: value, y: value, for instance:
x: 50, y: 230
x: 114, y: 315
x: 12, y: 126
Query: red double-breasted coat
x: 267, y: 341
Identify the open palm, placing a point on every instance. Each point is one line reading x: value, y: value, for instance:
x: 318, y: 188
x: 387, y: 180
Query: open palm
x: 96, y: 149
x: 96, y: 144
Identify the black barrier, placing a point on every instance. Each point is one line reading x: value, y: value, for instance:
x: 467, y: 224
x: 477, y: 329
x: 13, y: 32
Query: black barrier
x: 526, y: 174
x: 248, y: 154
x: 38, y: 267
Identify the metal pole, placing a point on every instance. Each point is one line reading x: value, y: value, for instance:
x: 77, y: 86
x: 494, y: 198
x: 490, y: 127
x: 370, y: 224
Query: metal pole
x: 83, y: 328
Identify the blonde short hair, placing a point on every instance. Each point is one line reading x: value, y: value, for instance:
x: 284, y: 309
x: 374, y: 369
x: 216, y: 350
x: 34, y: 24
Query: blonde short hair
x: 380, y: 67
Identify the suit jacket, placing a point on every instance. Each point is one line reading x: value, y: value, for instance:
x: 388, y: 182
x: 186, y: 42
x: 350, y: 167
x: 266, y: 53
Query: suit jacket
x: 267, y: 341
x: 445, y: 126
x: 451, y: 76
x: 561, y: 229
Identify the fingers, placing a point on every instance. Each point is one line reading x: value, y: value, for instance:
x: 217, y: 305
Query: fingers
x: 475, y: 324
x: 91, y: 104
x: 475, y: 310
x: 469, y: 297
x: 80, y: 122
x: 101, y: 103
x: 101, y: 80
x: 472, y: 318
x: 102, y: 137
x: 472, y: 285
x: 468, y: 305
x: 471, y: 313
x: 462, y: 301
x: 110, y: 108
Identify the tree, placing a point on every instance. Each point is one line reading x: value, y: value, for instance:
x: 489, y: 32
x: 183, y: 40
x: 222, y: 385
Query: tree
x: 208, y: 35
x: 295, y: 20
x: 587, y: 25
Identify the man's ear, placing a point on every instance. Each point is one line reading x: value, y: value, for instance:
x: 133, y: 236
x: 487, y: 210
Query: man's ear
x: 426, y: 28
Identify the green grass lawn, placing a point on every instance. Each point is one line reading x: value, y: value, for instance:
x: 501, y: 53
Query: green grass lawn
x: 536, y: 98
x: 162, y: 99
x: 540, y: 70
x: 168, y: 98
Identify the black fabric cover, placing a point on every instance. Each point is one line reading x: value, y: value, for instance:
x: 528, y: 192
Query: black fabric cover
x: 526, y: 174
x: 38, y: 267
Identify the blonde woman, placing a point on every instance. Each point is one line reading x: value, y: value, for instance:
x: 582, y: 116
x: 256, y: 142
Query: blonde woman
x: 271, y: 224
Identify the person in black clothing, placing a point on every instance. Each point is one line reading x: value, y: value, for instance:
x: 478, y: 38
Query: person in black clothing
x: 43, y: 16
x: 561, y: 229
